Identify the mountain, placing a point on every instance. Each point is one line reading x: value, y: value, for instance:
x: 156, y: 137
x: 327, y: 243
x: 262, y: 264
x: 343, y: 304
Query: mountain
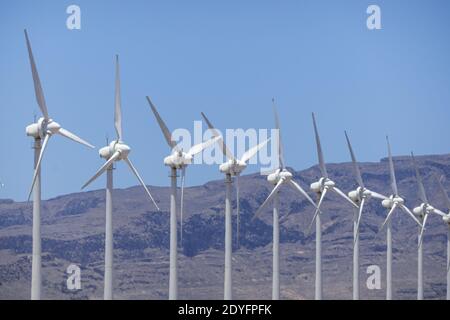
x: 73, y: 232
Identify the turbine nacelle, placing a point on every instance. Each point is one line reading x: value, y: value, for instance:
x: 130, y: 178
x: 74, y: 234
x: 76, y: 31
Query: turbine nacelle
x: 279, y: 174
x: 358, y: 194
x: 446, y: 219
x: 423, y: 210
x: 320, y: 185
x: 232, y: 167
x: 113, y: 147
x: 42, y: 127
x: 178, y: 159
x: 389, y: 203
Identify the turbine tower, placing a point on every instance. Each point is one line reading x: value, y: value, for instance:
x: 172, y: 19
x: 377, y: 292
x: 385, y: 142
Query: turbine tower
x: 117, y: 150
x: 422, y: 212
x: 392, y: 203
x: 278, y: 178
x: 232, y: 168
x: 177, y: 160
x: 321, y: 188
x: 360, y: 196
x: 446, y: 219
x: 42, y: 130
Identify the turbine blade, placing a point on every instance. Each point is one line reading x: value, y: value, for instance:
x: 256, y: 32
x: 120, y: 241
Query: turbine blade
x: 405, y: 209
x: 183, y: 177
x: 343, y: 195
x: 377, y: 195
x: 391, y: 169
x: 66, y: 133
x: 444, y: 192
x: 297, y: 187
x: 422, y: 230
x: 361, y: 208
x: 280, y: 143
x: 102, y: 168
x: 355, y: 164
x: 270, y: 197
x: 388, y: 216
x: 136, y: 173
x: 162, y: 125
x: 439, y: 212
x: 422, y: 193
x: 117, y: 103
x: 253, y: 151
x: 202, y: 146
x: 322, y: 166
x: 38, y: 164
x: 322, y: 196
x: 37, y: 82
x: 227, y: 152
x: 238, y: 213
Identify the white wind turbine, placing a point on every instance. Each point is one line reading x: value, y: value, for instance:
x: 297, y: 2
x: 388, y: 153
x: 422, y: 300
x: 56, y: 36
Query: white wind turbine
x: 177, y: 160
x: 41, y: 131
x: 422, y: 211
x: 232, y: 168
x: 322, y: 187
x: 360, y: 196
x: 278, y: 178
x: 392, y: 203
x: 446, y: 219
x: 117, y: 150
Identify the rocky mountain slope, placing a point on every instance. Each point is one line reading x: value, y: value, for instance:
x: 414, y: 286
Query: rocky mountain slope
x: 73, y: 232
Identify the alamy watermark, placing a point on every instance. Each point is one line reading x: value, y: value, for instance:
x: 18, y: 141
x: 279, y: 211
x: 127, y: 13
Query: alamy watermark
x: 237, y: 140
x: 74, y: 279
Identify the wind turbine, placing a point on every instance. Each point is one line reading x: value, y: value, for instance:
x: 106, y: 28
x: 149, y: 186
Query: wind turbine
x: 116, y: 151
x: 42, y: 130
x: 392, y: 203
x: 177, y: 160
x: 422, y: 212
x: 321, y: 188
x: 359, y: 196
x: 278, y: 178
x: 446, y: 219
x: 232, y: 168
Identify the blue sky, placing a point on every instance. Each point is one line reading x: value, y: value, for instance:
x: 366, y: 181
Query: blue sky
x: 228, y: 59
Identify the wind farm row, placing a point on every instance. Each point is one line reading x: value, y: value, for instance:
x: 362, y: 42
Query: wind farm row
x: 178, y: 160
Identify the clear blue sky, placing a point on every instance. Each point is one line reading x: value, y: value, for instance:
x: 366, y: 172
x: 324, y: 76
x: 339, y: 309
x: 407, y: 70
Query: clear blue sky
x: 226, y: 58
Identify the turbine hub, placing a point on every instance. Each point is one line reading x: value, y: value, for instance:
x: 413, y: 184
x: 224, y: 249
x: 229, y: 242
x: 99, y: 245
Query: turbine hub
x: 233, y: 168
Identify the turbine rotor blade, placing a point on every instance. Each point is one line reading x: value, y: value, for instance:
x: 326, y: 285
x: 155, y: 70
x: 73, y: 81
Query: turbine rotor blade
x: 136, y: 173
x: 439, y: 212
x: 117, y: 103
x: 377, y: 195
x: 422, y: 193
x: 322, y: 166
x: 280, y: 143
x: 391, y: 169
x: 444, y: 192
x: 37, y: 82
x: 162, y: 125
x: 422, y: 230
x: 38, y: 164
x: 388, y: 216
x: 227, y: 152
x: 102, y: 168
x: 322, y: 196
x: 253, y: 151
x: 361, y: 208
x: 183, y: 177
x: 66, y: 133
x: 297, y: 187
x: 355, y: 164
x: 270, y: 197
x: 405, y: 209
x: 343, y: 195
x: 202, y: 146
